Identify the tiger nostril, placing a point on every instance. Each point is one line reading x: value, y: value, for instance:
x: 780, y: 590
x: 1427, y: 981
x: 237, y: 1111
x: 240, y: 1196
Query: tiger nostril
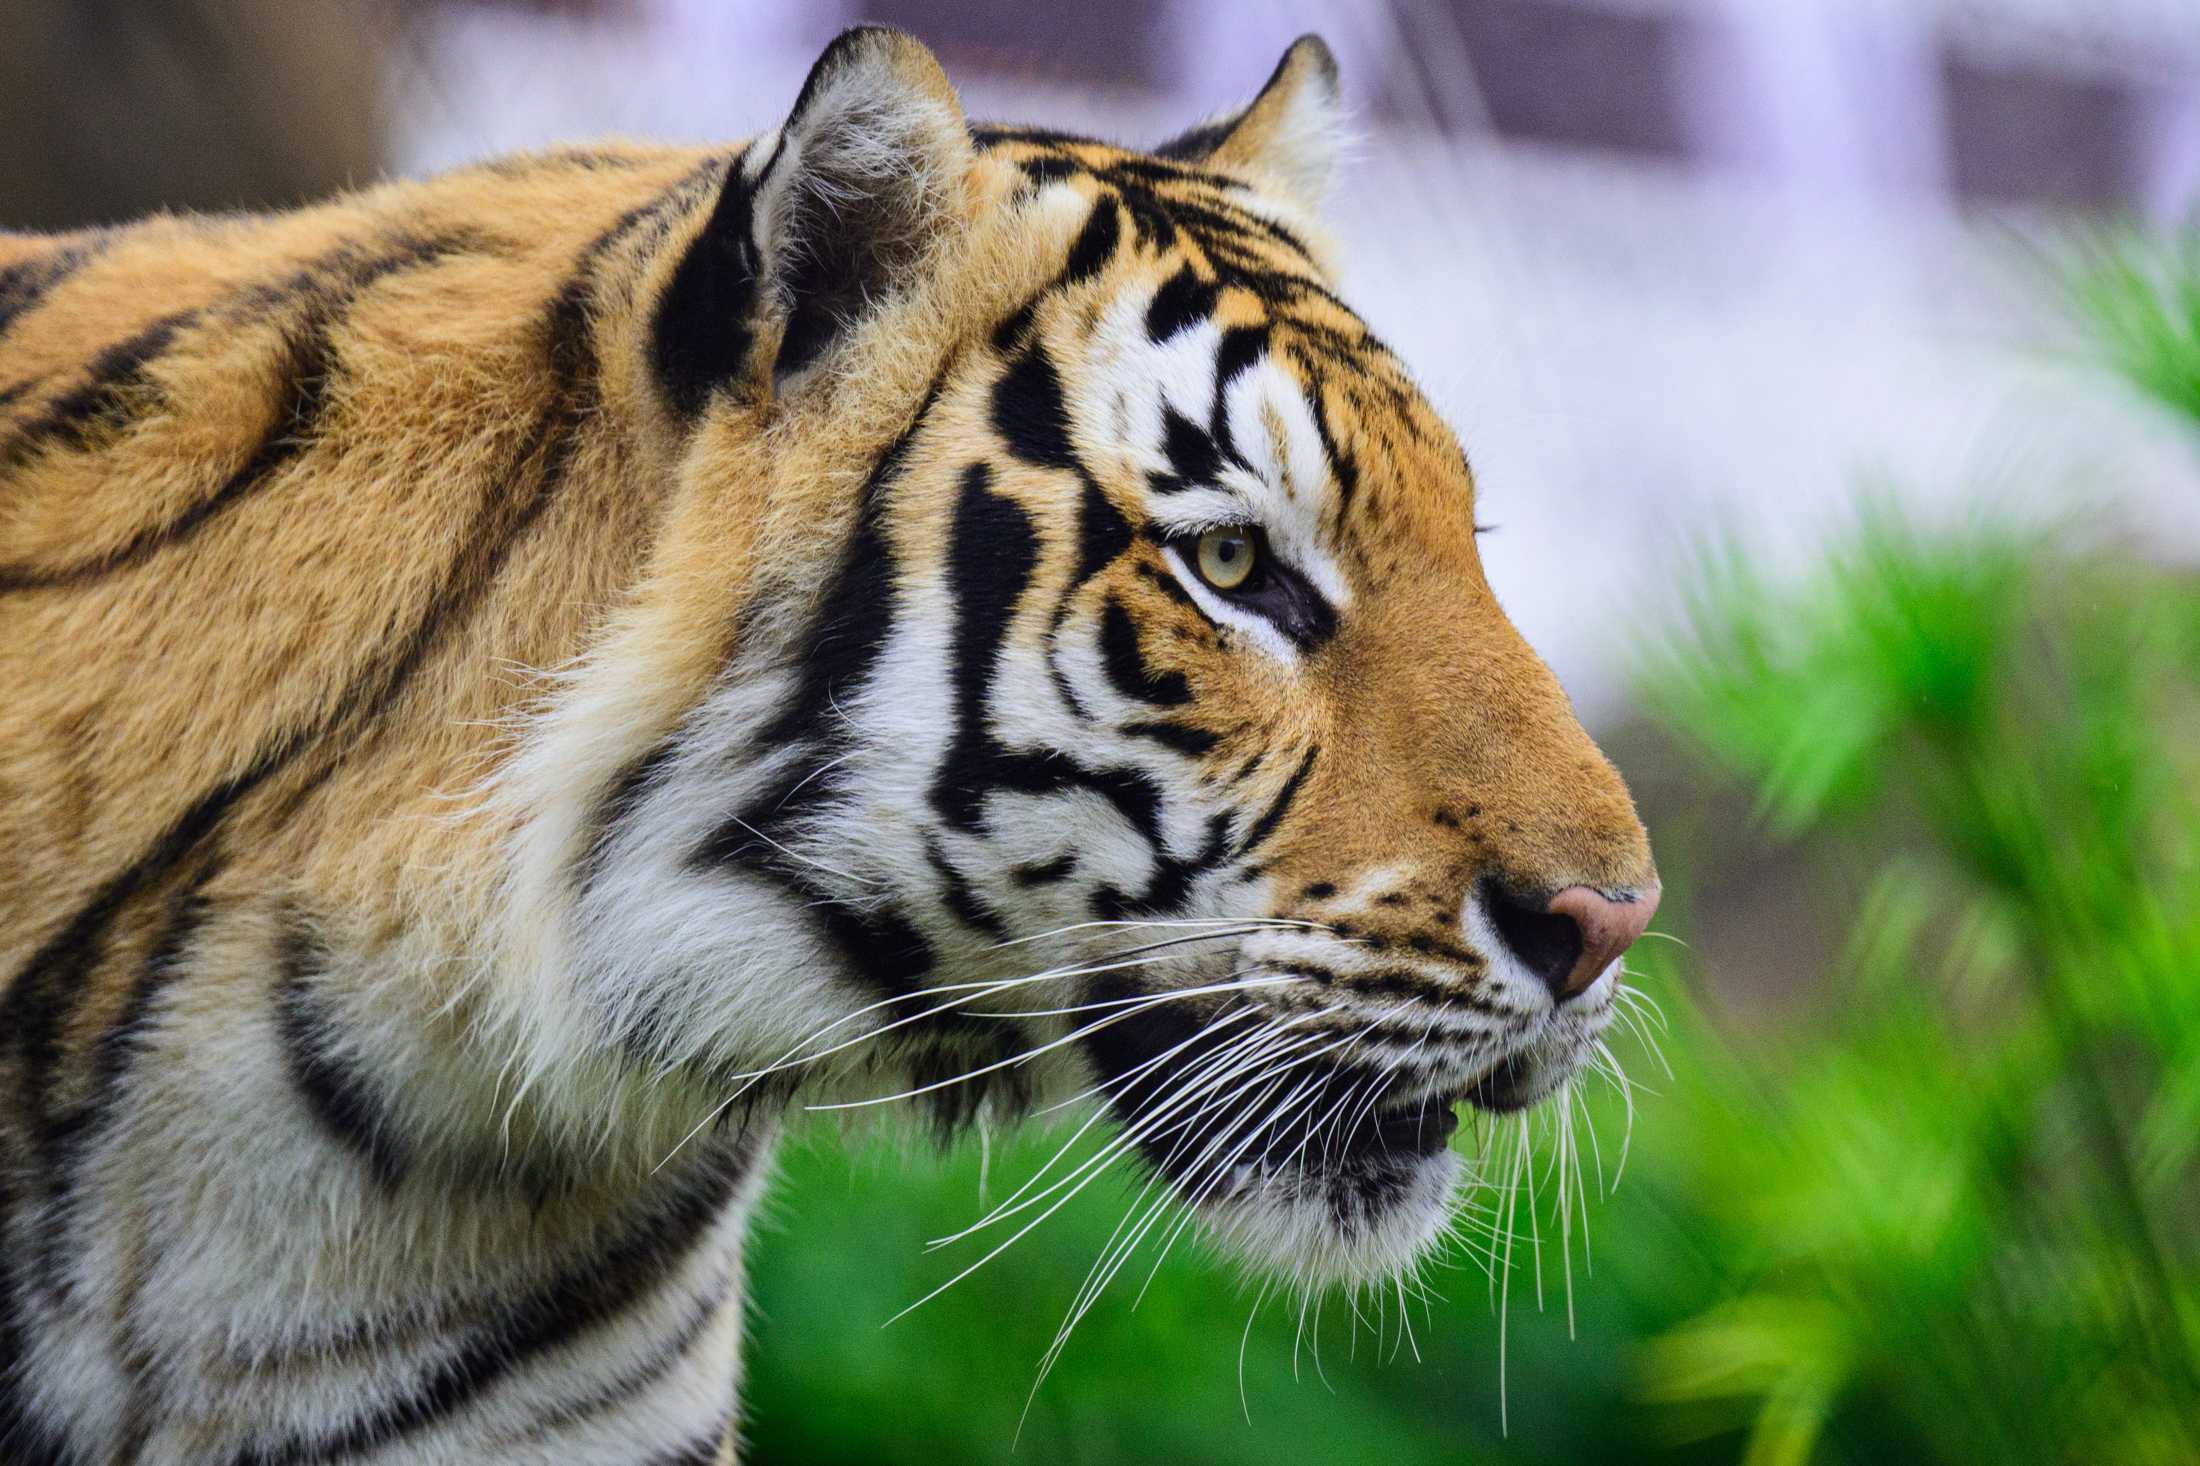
x: 1569, y: 940
x: 1547, y: 943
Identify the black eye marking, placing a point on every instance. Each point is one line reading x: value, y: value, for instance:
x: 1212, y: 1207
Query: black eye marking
x: 1126, y: 664
x: 1274, y: 590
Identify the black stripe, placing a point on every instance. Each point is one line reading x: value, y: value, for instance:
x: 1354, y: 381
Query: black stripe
x: 1044, y: 872
x: 26, y: 1438
x: 1225, y: 231
x: 702, y: 1451
x: 1171, y: 881
x: 703, y: 327
x: 966, y: 905
x: 995, y: 134
x: 309, y: 360
x: 1048, y: 168
x: 1189, y: 741
x: 1016, y: 325
x: 1030, y: 413
x: 856, y: 612
x: 1241, y: 347
x: 1161, y: 580
x: 25, y: 285
x: 1095, y: 244
x: 334, y: 1090
x: 1203, y: 208
x: 1150, y: 218
x: 838, y: 653
x: 1394, y: 982
x: 1281, y: 805
x: 1341, y: 462
x: 993, y: 550
x: 1183, y: 301
x: 1194, y: 459
x: 1125, y: 663
x: 579, y: 1299
x: 1103, y: 537
x: 618, y: 803
x: 49, y: 986
x: 664, y: 1357
x: 113, y: 393
x: 878, y: 944
x: 75, y: 1131
x: 1159, y: 168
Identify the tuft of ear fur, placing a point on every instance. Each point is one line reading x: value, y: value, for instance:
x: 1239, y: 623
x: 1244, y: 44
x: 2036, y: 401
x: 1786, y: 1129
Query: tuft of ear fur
x: 822, y: 219
x: 1289, y: 135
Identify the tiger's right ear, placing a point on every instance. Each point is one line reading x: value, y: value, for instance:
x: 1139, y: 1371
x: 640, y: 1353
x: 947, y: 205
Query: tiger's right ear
x: 818, y: 222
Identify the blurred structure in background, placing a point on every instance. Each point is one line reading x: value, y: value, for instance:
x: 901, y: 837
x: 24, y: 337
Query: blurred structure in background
x: 114, y: 108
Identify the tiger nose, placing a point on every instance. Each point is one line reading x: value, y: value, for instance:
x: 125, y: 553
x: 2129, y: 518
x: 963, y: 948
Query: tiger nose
x: 1576, y: 935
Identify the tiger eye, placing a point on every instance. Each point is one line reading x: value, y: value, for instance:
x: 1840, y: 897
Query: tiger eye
x: 1226, y: 557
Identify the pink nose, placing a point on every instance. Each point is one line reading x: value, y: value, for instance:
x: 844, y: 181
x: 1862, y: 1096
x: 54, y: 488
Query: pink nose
x: 1608, y: 928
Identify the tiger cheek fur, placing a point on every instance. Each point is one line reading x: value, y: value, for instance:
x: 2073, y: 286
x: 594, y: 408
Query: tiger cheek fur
x: 519, y: 678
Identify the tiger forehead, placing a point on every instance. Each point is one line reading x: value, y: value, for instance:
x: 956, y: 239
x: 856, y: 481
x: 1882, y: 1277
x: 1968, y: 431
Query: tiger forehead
x: 1219, y: 225
x: 1178, y: 246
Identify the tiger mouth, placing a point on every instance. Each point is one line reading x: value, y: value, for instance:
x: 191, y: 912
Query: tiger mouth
x: 1233, y: 1155
x: 1505, y: 1090
x: 1388, y: 1138
x: 1420, y: 1127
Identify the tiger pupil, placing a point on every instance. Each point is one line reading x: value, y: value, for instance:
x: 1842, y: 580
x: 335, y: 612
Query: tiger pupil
x: 1226, y: 558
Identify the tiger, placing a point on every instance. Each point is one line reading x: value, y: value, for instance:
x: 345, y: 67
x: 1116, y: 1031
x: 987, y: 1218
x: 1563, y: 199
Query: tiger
x: 518, y: 681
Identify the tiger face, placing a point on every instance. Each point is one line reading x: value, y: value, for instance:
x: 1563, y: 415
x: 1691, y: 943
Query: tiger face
x: 1130, y: 717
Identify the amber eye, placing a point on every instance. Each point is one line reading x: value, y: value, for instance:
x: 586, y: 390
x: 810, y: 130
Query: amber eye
x: 1227, y: 557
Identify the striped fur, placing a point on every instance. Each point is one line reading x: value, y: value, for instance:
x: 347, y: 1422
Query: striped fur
x: 518, y: 677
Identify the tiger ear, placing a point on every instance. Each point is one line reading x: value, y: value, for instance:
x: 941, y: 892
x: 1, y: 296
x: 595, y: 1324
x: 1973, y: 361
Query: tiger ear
x: 1290, y: 134
x: 818, y: 222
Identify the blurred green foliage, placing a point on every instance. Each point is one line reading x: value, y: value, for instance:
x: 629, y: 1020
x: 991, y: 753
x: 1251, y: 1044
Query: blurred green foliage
x: 1945, y: 1207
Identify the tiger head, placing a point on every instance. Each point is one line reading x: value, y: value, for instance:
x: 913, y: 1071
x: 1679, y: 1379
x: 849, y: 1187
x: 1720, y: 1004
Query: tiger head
x: 1068, y: 669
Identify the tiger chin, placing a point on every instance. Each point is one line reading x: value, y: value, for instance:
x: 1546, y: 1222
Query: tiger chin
x: 520, y: 680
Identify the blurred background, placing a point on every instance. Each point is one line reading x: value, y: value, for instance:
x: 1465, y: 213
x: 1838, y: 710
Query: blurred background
x: 1831, y: 369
